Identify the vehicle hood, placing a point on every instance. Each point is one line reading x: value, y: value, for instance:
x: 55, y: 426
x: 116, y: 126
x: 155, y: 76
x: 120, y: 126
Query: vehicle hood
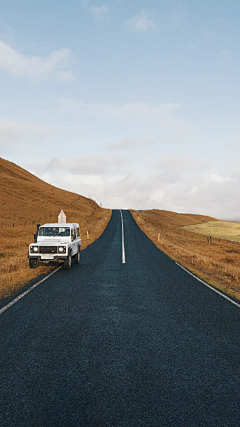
x: 54, y: 242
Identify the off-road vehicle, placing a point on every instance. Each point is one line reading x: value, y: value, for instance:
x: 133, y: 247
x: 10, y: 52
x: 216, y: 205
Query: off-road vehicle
x: 55, y: 243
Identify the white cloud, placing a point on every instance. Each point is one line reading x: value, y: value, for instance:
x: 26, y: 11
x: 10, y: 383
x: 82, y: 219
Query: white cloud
x: 93, y: 165
x: 33, y: 67
x: 182, y: 164
x: 144, y: 109
x: 142, y: 22
x: 13, y: 132
x: 99, y: 12
x: 196, y: 186
x: 127, y: 144
x: 214, y: 177
x: 65, y: 76
x: 82, y: 165
x: 152, y: 122
x: 124, y: 111
x: 197, y: 189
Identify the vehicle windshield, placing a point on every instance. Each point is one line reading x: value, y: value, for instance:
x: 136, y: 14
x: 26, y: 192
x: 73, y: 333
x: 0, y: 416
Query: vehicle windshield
x: 54, y: 231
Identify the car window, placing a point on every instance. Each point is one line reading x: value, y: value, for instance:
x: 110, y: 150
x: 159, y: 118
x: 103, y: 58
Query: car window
x: 54, y: 231
x: 73, y: 234
x: 78, y: 232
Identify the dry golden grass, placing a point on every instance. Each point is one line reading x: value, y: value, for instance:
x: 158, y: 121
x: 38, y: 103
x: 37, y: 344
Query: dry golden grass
x: 219, y: 229
x: 25, y: 201
x: 217, y: 263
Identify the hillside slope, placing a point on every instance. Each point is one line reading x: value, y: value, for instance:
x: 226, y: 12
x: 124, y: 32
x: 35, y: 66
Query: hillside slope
x: 27, y: 200
x: 176, y: 219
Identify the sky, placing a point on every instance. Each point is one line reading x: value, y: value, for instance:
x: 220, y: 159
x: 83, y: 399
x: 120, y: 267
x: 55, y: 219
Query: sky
x: 134, y: 104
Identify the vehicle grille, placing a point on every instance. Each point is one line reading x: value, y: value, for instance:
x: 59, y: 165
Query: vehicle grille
x: 48, y: 249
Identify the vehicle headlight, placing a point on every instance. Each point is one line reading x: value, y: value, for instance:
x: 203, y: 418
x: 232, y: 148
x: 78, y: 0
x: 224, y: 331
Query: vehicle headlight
x: 34, y: 249
x: 62, y: 249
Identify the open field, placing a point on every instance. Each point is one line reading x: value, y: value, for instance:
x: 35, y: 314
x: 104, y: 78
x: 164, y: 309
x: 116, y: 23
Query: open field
x: 219, y: 229
x: 218, y: 263
x: 25, y: 201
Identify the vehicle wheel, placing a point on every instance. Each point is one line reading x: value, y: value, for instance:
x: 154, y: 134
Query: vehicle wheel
x: 33, y: 263
x: 68, y: 262
x: 77, y: 257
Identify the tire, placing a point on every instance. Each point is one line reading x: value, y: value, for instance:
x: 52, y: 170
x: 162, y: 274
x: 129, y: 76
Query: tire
x: 33, y: 263
x: 68, y: 262
x: 77, y: 257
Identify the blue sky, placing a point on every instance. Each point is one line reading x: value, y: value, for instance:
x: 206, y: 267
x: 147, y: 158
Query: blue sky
x: 134, y: 104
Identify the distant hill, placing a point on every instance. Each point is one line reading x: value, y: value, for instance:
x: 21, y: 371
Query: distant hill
x: 156, y: 216
x: 27, y: 200
x: 24, y: 197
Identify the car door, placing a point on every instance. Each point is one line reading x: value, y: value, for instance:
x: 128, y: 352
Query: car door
x: 78, y: 237
x: 74, y: 242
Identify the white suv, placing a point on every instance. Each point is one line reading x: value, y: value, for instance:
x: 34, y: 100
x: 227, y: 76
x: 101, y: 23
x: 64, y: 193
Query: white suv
x: 55, y: 242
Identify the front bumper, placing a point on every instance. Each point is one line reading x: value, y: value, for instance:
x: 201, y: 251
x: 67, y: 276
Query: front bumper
x: 48, y: 257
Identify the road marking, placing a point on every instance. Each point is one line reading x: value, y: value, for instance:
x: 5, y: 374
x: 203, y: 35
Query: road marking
x: 123, y: 247
x: 29, y: 290
x: 209, y: 286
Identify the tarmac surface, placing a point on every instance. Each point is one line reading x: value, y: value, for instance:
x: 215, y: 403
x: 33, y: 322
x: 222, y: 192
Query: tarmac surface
x: 112, y: 344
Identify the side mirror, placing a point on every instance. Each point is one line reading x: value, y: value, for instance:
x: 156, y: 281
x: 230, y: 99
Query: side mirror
x: 35, y: 235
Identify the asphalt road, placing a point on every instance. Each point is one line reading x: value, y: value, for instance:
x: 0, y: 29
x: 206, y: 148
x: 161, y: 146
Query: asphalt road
x: 112, y: 344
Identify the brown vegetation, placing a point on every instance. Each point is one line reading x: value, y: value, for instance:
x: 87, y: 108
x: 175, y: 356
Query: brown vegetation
x: 216, y: 262
x: 25, y: 201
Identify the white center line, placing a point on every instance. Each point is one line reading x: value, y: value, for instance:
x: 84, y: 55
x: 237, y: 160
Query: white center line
x: 123, y: 247
x: 28, y: 290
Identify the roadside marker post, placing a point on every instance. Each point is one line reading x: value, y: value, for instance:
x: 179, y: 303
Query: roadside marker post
x: 158, y: 237
x: 87, y: 235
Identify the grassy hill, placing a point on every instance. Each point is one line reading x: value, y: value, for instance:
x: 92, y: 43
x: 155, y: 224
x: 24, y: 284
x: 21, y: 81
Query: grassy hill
x: 27, y: 200
x: 220, y: 229
x: 180, y: 237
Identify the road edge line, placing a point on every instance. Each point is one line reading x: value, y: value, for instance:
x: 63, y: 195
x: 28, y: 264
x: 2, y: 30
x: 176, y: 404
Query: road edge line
x: 27, y: 291
x: 209, y: 286
x: 123, y: 246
